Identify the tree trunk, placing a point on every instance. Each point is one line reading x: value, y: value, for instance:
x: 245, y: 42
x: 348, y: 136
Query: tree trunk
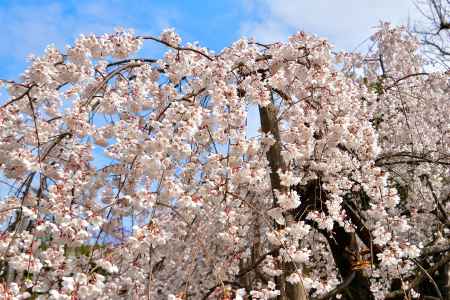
x: 269, y: 125
x: 444, y: 282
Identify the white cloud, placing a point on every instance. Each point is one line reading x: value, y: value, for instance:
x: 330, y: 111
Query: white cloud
x: 269, y: 31
x: 345, y: 23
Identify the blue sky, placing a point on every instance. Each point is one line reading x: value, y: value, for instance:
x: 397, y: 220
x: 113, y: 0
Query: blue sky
x: 27, y: 26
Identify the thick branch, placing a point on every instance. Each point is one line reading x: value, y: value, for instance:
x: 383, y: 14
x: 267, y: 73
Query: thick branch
x: 147, y: 37
x: 420, y: 277
x: 257, y: 262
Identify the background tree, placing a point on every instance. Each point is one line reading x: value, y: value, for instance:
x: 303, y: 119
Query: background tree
x: 136, y: 177
x: 434, y: 30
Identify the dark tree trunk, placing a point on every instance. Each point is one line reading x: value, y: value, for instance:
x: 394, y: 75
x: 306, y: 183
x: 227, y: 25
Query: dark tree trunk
x: 343, y: 245
x: 345, y: 252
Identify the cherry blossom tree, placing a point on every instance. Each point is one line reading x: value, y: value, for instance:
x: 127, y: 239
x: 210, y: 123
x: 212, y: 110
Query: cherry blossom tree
x: 129, y: 177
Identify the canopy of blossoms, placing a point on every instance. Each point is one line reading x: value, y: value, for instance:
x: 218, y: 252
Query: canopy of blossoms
x: 129, y: 177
